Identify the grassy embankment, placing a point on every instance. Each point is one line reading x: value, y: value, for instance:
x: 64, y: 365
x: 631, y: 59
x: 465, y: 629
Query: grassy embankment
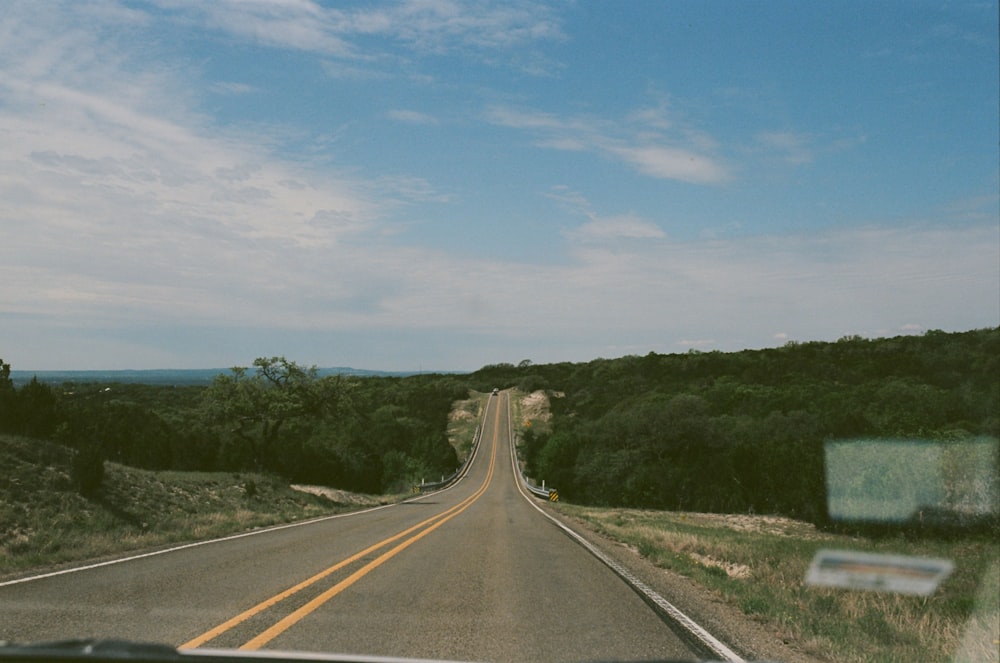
x: 758, y: 564
x: 44, y: 521
x: 465, y: 418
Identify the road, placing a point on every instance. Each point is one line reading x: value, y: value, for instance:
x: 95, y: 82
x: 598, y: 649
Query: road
x: 473, y: 572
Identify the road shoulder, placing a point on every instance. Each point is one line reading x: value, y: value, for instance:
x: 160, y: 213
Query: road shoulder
x: 750, y: 638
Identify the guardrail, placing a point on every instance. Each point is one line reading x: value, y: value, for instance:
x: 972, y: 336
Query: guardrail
x: 457, y: 474
x: 541, y: 492
x: 550, y: 494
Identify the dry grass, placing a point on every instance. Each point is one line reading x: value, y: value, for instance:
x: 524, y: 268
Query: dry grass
x: 758, y: 563
x: 44, y: 522
x: 463, y: 421
x: 531, y: 411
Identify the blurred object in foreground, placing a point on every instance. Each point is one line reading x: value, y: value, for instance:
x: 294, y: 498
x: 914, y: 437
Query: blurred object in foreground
x: 950, y: 484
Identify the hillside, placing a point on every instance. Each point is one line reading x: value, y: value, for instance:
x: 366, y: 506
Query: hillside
x: 740, y: 432
x: 45, y: 521
x: 745, y: 431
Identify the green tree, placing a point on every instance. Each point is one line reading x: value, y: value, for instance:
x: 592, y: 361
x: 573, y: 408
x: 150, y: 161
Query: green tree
x: 87, y: 469
x: 266, y: 416
x: 7, y: 398
x: 255, y: 405
x: 37, y: 409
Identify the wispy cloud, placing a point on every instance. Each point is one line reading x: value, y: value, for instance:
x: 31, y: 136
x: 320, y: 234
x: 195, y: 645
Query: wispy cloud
x: 794, y: 148
x: 671, y: 163
x: 628, y: 226
x: 603, y: 229
x: 123, y: 201
x: 132, y: 219
x: 296, y: 24
x: 696, y: 344
x: 228, y: 87
x: 646, y: 143
x: 411, y: 116
x: 443, y: 25
x: 482, y: 28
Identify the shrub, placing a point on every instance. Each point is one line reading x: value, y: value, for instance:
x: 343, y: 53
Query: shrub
x: 87, y: 470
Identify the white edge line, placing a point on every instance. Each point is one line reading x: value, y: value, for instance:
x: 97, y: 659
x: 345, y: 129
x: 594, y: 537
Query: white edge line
x: 195, y: 544
x: 703, y: 636
x: 231, y: 537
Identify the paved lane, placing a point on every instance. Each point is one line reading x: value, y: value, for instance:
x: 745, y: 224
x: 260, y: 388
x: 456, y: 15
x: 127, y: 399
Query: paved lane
x: 499, y: 583
x: 470, y: 573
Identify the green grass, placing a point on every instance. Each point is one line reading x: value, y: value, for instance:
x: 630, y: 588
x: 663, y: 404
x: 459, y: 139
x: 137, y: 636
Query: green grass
x: 758, y: 565
x: 44, y: 521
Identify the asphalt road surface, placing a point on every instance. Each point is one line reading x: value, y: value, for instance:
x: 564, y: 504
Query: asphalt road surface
x: 470, y: 573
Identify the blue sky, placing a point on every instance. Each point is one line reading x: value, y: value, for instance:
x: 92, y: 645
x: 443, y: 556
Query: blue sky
x: 443, y: 185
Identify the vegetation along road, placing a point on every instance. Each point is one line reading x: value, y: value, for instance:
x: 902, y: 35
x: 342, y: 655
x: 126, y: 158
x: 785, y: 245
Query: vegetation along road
x: 474, y: 572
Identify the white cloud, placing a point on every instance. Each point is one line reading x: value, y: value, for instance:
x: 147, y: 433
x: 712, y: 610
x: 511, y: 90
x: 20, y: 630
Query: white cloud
x: 128, y: 212
x: 696, y: 344
x: 572, y: 200
x: 602, y: 228
x: 124, y: 202
x: 522, y: 119
x: 229, y: 87
x: 564, y: 144
x: 672, y: 163
x: 437, y: 24
x: 676, y: 155
x: 292, y: 24
x: 422, y: 26
x: 343, y: 71
x: 656, y: 117
x: 411, y: 116
x: 619, y: 227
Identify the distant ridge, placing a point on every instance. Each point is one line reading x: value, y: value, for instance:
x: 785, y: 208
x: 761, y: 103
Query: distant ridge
x: 177, y: 377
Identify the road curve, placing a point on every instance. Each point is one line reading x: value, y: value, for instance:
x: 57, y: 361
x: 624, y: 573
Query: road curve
x: 471, y: 573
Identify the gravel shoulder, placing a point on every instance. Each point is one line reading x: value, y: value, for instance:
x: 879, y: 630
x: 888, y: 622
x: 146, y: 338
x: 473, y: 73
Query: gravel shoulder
x: 751, y: 639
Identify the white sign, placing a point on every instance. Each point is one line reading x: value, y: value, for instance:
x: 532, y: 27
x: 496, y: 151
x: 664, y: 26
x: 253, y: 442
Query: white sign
x: 870, y: 571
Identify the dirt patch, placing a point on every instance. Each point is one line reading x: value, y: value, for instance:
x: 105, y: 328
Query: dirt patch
x: 341, y: 496
x: 732, y: 569
x: 775, y: 525
x: 463, y: 421
x: 461, y: 415
x: 535, y: 407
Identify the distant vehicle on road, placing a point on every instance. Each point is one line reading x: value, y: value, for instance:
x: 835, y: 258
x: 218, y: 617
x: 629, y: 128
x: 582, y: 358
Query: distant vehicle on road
x: 495, y: 391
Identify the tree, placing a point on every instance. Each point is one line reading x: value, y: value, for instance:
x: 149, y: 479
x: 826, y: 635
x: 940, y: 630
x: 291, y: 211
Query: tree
x: 256, y: 406
x: 7, y: 398
x: 79, y: 432
x: 253, y: 405
x: 36, y: 405
x: 32, y: 410
x: 87, y: 470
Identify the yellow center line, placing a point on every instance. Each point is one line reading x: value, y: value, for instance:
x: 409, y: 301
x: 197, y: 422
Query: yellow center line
x: 309, y: 608
x: 264, y: 605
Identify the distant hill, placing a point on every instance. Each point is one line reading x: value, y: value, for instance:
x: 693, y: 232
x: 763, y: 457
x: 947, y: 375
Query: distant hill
x: 175, y: 377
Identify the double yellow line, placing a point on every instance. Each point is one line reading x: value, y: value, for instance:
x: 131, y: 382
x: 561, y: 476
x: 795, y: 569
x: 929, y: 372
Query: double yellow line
x: 427, y: 526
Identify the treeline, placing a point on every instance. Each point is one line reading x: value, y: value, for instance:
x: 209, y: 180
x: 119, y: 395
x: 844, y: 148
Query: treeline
x: 744, y: 431
x: 364, y: 434
x: 712, y: 431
